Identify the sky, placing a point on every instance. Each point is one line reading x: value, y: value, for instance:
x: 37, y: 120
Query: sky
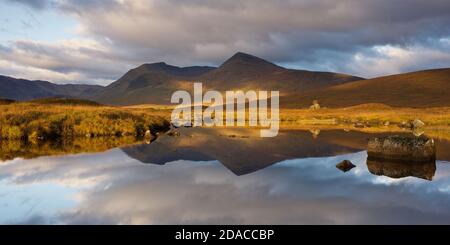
x: 97, y: 41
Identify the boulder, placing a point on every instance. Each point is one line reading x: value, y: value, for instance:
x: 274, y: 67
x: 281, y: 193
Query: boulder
x: 345, y: 166
x: 402, y: 149
x: 315, y: 105
x: 417, y: 123
x: 148, y: 134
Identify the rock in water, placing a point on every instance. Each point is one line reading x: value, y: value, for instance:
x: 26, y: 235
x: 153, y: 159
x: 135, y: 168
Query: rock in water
x: 402, y: 149
x: 345, y: 165
x: 173, y: 133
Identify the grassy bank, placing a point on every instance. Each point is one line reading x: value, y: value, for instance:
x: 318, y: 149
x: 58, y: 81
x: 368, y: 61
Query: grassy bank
x: 53, y: 119
x: 47, y: 120
x: 367, y: 115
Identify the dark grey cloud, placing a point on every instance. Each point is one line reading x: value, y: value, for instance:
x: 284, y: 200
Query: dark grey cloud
x: 283, y: 31
x: 364, y: 37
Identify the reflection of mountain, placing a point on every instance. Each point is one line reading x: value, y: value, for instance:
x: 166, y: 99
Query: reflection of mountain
x: 243, y: 151
x: 240, y: 150
x: 401, y: 170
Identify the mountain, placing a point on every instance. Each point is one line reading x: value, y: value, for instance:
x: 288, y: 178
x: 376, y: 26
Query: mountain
x: 149, y: 83
x: 429, y: 88
x: 250, y: 72
x: 21, y: 89
x: 155, y: 83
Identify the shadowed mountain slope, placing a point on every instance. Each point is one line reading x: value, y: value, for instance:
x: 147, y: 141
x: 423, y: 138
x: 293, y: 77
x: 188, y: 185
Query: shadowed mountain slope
x: 22, y: 89
x: 155, y: 83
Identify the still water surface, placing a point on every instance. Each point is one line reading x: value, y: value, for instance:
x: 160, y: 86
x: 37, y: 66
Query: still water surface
x: 218, y: 176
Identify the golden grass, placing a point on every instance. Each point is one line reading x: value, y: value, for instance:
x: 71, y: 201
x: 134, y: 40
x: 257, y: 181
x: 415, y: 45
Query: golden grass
x: 35, y: 121
x: 372, y: 114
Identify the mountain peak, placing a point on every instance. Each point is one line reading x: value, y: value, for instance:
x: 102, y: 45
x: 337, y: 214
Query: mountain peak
x: 248, y: 61
x: 242, y: 55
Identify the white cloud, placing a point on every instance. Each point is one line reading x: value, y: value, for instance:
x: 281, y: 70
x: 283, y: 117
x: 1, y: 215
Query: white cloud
x: 388, y: 59
x: 78, y: 60
x: 113, y: 36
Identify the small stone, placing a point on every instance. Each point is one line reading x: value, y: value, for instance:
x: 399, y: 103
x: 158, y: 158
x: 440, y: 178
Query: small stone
x: 148, y: 134
x: 359, y: 125
x: 173, y: 133
x: 345, y: 166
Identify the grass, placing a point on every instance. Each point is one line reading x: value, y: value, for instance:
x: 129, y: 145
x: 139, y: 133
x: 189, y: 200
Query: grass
x: 67, y: 119
x: 68, y: 126
x: 367, y: 114
x: 64, y: 101
x: 37, y: 120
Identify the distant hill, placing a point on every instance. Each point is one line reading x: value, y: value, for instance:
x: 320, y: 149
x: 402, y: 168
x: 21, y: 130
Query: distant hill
x: 22, y: 89
x: 155, y: 83
x: 6, y: 101
x: 429, y: 88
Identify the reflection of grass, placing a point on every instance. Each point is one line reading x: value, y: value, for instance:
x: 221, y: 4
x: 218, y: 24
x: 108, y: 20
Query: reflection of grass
x: 10, y: 149
x: 34, y: 121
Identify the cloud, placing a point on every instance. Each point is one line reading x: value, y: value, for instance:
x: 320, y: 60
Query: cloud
x: 35, y: 4
x: 288, y: 31
x: 387, y: 59
x: 79, y: 61
x: 320, y: 34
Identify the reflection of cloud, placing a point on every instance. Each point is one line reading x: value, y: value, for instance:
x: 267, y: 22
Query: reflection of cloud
x: 312, y: 190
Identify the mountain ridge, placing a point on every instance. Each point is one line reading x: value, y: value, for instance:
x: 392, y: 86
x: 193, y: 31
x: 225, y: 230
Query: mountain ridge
x: 23, y: 89
x: 241, y: 71
x: 154, y: 83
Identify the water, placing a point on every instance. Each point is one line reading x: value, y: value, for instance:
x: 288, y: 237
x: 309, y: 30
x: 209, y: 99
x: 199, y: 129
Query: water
x: 225, y: 176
